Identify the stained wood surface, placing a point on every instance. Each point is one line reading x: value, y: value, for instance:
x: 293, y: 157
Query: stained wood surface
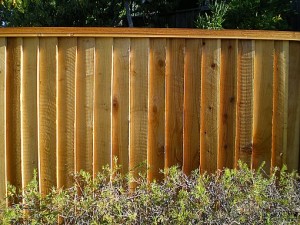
x: 120, y: 103
x: 192, y: 90
x: 210, y: 100
x: 66, y: 111
x: 280, y: 103
x: 75, y: 102
x: 147, y: 32
x: 29, y: 119
x: 174, y: 102
x: 263, y: 104
x: 102, y: 103
x: 244, y: 114
x: 13, y: 114
x: 2, y: 118
x: 47, y: 113
x: 84, y: 104
x: 228, y: 97
x: 293, y: 107
x: 138, y: 113
x: 156, y: 111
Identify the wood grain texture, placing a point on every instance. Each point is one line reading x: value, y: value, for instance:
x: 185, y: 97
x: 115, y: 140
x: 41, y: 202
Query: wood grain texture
x: 174, y: 102
x: 263, y: 104
x: 192, y: 90
x: 228, y: 96
x: 138, y: 113
x: 293, y: 107
x: 244, y: 122
x: 156, y: 112
x: 2, y: 118
x: 140, y: 98
x: 13, y: 114
x: 120, y: 103
x: 84, y: 104
x: 102, y: 103
x: 66, y: 111
x: 47, y: 113
x: 147, y: 32
x: 29, y: 120
x: 280, y: 103
x: 210, y: 100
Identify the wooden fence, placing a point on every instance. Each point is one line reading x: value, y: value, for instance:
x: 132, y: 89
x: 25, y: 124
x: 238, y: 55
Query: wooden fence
x: 72, y: 98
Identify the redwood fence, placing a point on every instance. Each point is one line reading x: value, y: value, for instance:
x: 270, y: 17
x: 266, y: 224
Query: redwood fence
x: 73, y: 98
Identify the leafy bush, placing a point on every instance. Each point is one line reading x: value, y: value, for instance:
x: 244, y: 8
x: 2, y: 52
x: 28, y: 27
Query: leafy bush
x: 259, y: 14
x: 247, y: 14
x: 215, y: 19
x: 226, y: 197
x: 36, y: 13
x: 81, y: 13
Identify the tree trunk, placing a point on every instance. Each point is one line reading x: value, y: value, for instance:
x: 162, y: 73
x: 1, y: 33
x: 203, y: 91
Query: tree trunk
x: 128, y: 14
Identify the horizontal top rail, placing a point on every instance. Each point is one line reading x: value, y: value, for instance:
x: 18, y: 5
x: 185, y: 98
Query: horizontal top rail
x: 147, y: 32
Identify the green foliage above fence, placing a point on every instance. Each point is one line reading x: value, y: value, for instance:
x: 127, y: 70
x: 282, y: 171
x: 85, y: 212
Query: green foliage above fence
x: 81, y: 13
x: 250, y: 14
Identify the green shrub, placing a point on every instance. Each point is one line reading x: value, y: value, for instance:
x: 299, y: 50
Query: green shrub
x: 215, y: 19
x: 247, y: 14
x: 226, y: 197
x: 259, y: 14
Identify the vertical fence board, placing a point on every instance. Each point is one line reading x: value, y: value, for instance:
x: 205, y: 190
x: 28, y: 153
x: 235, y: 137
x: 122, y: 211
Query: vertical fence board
x: 228, y: 96
x: 66, y: 110
x: 280, y: 103
x: 138, y: 114
x: 29, y: 125
x: 210, y: 99
x: 174, y: 102
x: 244, y: 122
x: 84, y: 82
x: 2, y: 118
x: 13, y: 115
x: 102, y: 103
x: 120, y: 102
x: 293, y: 107
x: 263, y: 104
x: 156, y: 112
x: 192, y: 88
x: 47, y: 113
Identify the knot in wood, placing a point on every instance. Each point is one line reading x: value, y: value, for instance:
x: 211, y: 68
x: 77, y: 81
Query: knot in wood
x: 115, y: 103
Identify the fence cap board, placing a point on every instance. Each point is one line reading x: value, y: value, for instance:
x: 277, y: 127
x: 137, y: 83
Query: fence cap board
x: 147, y: 32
